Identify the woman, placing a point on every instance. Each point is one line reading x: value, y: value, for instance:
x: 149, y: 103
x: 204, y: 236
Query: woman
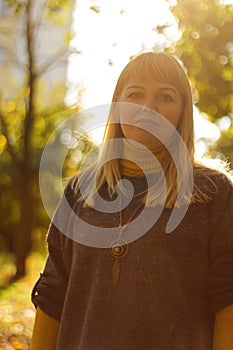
x: 138, y: 287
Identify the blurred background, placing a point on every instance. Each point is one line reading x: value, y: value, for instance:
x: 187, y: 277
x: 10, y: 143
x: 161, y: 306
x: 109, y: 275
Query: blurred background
x: 58, y: 58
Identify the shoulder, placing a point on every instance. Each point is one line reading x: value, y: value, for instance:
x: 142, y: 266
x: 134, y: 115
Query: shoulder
x: 77, y: 184
x: 213, y: 181
x: 224, y: 189
x: 70, y: 190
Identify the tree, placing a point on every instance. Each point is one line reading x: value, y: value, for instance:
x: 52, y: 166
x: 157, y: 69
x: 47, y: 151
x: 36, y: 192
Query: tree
x: 27, y: 117
x: 206, y: 49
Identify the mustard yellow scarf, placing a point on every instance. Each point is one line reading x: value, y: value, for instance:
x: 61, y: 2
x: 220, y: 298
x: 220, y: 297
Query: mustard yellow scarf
x: 138, y: 161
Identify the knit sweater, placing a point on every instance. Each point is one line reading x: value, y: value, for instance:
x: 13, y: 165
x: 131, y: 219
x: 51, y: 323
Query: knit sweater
x: 170, y: 285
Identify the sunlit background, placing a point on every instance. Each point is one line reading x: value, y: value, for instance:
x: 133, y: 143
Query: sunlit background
x: 106, y: 37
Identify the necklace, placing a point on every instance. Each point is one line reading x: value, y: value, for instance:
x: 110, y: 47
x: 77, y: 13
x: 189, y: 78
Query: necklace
x: 120, y: 247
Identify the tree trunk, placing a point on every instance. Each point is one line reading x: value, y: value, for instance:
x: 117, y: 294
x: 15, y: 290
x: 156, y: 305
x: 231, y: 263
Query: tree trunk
x: 23, y: 236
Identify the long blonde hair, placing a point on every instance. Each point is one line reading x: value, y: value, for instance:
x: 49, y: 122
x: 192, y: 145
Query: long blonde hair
x: 162, y: 67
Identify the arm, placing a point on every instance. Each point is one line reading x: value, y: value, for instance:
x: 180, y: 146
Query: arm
x: 45, y: 332
x: 223, y: 329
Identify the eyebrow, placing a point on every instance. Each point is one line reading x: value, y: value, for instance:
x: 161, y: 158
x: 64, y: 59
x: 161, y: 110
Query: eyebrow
x: 171, y: 88
x: 134, y: 86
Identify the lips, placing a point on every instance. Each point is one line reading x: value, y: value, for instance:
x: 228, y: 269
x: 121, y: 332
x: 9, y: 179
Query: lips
x: 147, y: 122
x: 148, y: 126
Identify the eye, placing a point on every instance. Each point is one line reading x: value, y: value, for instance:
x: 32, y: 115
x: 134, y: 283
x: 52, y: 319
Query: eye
x: 134, y: 95
x: 166, y: 98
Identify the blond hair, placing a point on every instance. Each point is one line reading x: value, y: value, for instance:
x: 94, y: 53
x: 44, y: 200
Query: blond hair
x: 162, y: 67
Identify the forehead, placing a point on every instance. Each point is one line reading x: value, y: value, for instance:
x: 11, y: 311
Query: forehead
x: 160, y: 69
x: 146, y: 78
x: 145, y: 75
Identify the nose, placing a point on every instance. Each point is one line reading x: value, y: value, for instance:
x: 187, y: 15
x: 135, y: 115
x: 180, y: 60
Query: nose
x: 151, y: 103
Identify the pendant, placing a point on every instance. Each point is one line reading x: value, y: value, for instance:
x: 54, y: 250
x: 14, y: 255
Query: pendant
x: 115, y: 272
x: 119, y: 249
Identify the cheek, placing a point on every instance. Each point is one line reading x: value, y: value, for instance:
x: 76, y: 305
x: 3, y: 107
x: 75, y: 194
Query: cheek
x: 172, y: 114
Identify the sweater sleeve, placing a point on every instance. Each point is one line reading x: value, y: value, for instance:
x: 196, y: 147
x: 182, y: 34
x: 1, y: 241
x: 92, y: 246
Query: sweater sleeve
x: 50, y: 289
x: 220, y: 244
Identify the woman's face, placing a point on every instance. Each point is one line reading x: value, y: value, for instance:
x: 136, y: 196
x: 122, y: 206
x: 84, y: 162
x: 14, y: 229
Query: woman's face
x: 163, y: 98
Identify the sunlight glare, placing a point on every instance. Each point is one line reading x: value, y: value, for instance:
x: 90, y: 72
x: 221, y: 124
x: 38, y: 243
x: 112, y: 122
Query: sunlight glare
x: 106, y: 41
x: 97, y: 135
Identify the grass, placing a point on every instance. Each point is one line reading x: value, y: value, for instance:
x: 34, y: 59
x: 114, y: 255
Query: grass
x: 16, y: 310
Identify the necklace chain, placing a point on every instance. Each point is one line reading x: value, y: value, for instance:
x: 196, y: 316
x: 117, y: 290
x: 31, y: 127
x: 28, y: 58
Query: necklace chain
x: 120, y: 247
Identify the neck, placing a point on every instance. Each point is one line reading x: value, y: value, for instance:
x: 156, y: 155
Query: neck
x: 137, y: 160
